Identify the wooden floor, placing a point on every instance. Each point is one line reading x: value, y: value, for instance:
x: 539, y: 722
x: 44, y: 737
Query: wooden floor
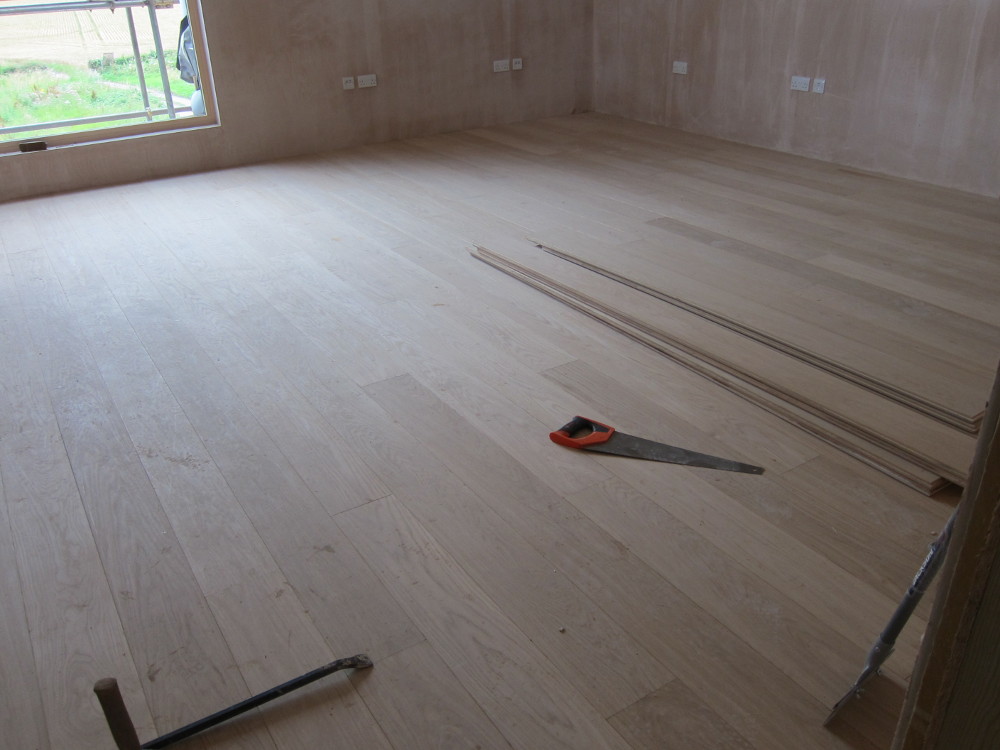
x: 254, y: 420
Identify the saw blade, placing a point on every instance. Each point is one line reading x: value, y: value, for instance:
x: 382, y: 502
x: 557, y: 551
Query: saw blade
x: 621, y: 444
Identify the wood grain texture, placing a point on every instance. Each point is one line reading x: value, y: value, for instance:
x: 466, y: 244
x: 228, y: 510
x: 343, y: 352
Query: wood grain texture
x: 495, y: 662
x: 872, y: 429
x: 261, y: 617
x: 173, y: 635
x: 340, y: 419
x: 674, y: 717
x: 439, y: 712
x: 76, y: 635
x: 606, y: 664
x: 20, y: 694
x: 848, y: 532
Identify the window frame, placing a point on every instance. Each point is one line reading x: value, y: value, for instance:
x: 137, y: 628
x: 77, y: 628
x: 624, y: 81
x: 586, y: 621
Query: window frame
x: 113, y: 132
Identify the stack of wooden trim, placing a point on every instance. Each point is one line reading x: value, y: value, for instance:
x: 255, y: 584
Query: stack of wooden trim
x: 866, y: 422
x: 936, y: 408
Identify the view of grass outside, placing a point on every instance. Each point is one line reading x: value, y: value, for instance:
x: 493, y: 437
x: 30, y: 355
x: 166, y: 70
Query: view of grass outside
x: 64, y: 66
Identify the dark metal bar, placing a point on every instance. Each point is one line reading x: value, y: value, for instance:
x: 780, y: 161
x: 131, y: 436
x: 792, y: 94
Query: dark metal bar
x: 360, y: 661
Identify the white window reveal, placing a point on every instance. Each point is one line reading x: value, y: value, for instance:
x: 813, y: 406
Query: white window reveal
x: 73, y: 71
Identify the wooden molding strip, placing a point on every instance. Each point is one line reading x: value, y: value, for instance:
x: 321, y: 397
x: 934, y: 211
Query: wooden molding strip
x: 945, y: 415
x: 900, y: 462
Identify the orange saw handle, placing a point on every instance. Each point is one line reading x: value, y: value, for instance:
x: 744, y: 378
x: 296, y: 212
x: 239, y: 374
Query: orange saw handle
x: 594, y: 433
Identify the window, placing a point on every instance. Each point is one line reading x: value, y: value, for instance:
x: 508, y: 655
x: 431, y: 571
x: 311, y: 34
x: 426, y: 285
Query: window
x: 73, y: 71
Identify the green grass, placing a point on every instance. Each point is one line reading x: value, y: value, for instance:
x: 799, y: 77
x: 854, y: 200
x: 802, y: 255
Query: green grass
x: 37, y: 91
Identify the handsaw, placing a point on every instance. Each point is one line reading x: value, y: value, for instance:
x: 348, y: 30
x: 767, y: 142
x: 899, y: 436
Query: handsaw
x: 586, y: 434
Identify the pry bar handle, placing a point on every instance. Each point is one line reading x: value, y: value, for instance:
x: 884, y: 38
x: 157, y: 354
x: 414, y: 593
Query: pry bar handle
x: 594, y: 433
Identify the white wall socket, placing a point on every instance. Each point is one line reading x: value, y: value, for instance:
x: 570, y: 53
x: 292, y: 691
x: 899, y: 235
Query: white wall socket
x: 800, y: 83
x: 516, y: 64
x: 367, y: 82
x: 819, y: 85
x: 348, y: 82
x: 680, y: 67
x: 501, y: 66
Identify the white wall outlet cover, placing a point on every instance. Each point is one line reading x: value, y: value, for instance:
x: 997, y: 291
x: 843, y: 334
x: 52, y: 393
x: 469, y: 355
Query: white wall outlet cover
x: 819, y: 85
x: 517, y: 63
x: 348, y: 82
x: 367, y: 81
x: 680, y: 67
x: 800, y: 83
x: 501, y: 66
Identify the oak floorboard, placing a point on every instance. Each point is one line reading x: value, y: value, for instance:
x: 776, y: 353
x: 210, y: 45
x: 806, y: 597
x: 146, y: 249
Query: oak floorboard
x: 982, y: 307
x: 422, y: 705
x: 848, y: 531
x: 805, y: 670
x: 594, y: 652
x: 571, y: 542
x: 673, y: 717
x: 172, y: 633
x: 748, y: 366
x: 527, y: 699
x: 340, y: 419
x: 20, y: 695
x: 900, y: 369
x: 264, y: 623
x: 76, y: 634
x: 311, y: 552
x: 760, y: 545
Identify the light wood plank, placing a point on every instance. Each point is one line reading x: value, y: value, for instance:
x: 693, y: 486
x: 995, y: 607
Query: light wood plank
x: 593, y: 651
x: 69, y: 609
x: 674, y: 717
x: 530, y: 703
x: 271, y: 635
x: 830, y: 408
x: 20, y: 695
x: 274, y: 348
x: 846, y: 528
x: 422, y: 705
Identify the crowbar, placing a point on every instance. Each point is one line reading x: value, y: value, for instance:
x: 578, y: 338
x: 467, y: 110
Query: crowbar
x: 123, y: 730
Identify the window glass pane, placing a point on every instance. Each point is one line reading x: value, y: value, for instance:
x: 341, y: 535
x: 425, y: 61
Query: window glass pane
x: 76, y: 70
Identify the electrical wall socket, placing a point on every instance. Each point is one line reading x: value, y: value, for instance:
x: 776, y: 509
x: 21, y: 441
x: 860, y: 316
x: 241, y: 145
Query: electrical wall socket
x: 501, y: 66
x: 348, y: 82
x: 819, y: 85
x: 800, y: 83
x: 367, y: 82
x: 516, y: 64
x: 680, y: 67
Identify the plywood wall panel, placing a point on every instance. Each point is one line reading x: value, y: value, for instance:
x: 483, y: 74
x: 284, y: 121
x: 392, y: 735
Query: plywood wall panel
x: 912, y: 88
x: 278, y: 70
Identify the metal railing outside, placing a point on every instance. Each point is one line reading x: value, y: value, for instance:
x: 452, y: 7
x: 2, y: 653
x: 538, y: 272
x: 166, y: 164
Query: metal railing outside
x: 78, y: 5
